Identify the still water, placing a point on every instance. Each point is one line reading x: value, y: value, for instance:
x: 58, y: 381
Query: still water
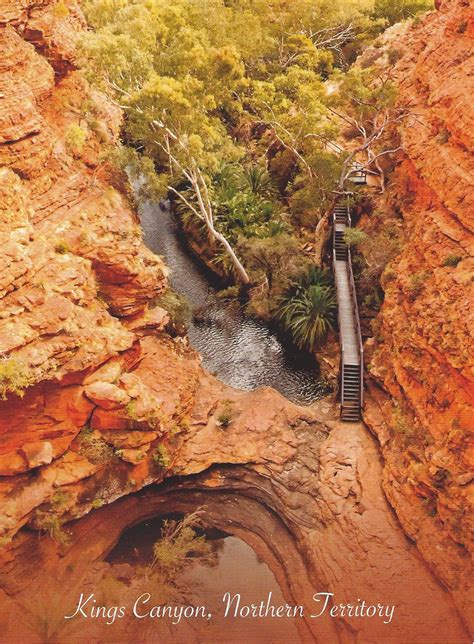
x: 235, y: 568
x: 242, y: 352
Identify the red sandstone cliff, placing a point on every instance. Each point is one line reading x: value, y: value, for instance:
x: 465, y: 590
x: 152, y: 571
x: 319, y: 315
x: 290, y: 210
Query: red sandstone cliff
x: 423, y: 352
x: 71, y: 248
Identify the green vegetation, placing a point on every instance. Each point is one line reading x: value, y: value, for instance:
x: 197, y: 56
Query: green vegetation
x: 308, y: 309
x: 226, y: 414
x: 53, y: 525
x: 161, y: 456
x: 60, y: 10
x: 179, y: 546
x: 15, y: 377
x: 61, y: 247
x: 452, y: 260
x: 354, y: 236
x: 60, y: 499
x: 176, y: 305
x: 75, y: 138
x: 94, y: 448
x: 416, y: 284
x: 231, y: 108
x: 394, y: 11
x: 150, y: 416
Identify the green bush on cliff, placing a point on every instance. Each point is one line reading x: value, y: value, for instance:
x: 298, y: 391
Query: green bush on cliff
x: 15, y: 377
x: 177, y: 306
x: 53, y: 525
x: 225, y: 415
x: 451, y: 261
x: 94, y: 448
x: 161, y: 456
x: 75, y: 137
x: 354, y: 236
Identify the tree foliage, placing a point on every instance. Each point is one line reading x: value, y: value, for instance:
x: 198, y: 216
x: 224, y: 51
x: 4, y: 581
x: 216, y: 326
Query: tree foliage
x: 233, y: 107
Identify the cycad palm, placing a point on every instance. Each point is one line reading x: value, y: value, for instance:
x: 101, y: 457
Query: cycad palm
x: 309, y: 315
x: 259, y: 181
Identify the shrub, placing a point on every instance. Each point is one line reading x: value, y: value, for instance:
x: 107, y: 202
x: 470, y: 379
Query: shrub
x: 94, y: 448
x: 177, y: 306
x: 60, y: 10
x: 231, y: 292
x: 60, y: 499
x: 309, y: 315
x: 403, y: 425
x: 61, y: 247
x: 75, y: 137
x: 15, y: 377
x: 314, y: 276
x: 451, y: 260
x: 354, y: 236
x: 226, y: 414
x: 161, y: 457
x: 396, y: 10
x: 97, y: 503
x: 180, y: 545
x: 416, y: 283
x: 150, y: 416
x: 53, y: 526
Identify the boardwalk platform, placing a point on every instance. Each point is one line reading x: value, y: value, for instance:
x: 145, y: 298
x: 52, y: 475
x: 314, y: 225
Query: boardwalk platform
x: 347, y: 322
x: 350, y: 338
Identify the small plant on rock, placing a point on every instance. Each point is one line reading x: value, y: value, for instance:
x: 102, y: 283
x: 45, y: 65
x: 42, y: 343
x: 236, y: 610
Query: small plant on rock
x: 15, y: 377
x: 451, y: 260
x: 53, y: 526
x: 354, y: 236
x: 226, y: 415
x: 161, y: 456
x: 61, y: 247
x: 94, y: 448
x: 416, y: 284
x: 75, y: 138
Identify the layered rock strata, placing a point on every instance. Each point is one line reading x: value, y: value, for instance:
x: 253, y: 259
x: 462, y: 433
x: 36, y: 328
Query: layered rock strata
x: 423, y: 353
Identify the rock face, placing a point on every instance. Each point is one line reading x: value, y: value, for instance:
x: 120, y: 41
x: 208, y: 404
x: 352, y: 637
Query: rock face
x: 423, y: 352
x: 71, y: 247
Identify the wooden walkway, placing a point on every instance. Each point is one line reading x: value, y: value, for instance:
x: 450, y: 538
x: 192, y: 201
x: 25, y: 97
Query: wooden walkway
x: 350, y: 338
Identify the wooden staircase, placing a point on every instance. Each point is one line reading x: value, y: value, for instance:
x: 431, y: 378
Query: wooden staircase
x: 352, y: 356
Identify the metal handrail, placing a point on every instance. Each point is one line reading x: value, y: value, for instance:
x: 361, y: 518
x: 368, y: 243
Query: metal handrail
x: 355, y: 307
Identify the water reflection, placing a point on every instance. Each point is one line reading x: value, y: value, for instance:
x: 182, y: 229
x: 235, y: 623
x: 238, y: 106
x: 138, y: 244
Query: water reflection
x: 240, y: 351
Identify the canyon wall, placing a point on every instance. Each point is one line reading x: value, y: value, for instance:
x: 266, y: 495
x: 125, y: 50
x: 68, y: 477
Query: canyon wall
x: 422, y: 353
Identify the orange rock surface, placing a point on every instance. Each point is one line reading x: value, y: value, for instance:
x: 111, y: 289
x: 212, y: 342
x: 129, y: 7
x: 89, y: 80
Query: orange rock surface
x: 72, y: 258
x: 424, y: 351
